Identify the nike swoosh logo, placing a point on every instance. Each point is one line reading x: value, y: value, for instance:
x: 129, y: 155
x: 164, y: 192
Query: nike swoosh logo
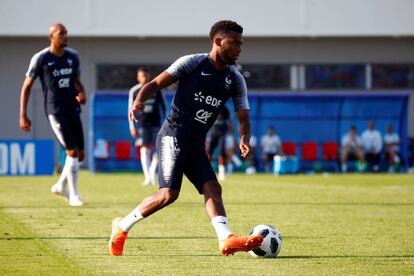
x: 50, y: 63
x: 222, y: 222
x: 205, y: 74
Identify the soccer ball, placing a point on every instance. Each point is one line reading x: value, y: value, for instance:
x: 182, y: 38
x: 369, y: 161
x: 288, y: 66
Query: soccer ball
x: 272, y: 241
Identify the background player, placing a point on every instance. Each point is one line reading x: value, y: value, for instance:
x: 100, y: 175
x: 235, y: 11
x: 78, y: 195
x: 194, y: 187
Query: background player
x: 206, y: 82
x: 217, y: 139
x: 58, y: 70
x: 149, y: 125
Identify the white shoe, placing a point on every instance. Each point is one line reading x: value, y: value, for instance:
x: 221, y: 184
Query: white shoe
x: 57, y: 190
x: 75, y: 201
x: 146, y: 182
x: 154, y: 179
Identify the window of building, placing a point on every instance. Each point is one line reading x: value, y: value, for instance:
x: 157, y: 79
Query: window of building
x: 266, y: 76
x: 335, y: 76
x: 122, y: 76
x: 386, y: 76
x: 282, y: 76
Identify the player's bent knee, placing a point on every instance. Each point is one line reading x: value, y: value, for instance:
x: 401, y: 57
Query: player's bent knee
x: 167, y: 196
x: 212, y: 188
x: 72, y: 152
x: 81, y: 155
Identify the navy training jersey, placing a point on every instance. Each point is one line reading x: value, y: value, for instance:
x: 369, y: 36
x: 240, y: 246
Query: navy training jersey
x: 150, y: 116
x: 57, y: 75
x: 201, y: 93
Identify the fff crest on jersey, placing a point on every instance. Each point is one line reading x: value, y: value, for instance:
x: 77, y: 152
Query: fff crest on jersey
x: 227, y: 82
x: 70, y: 61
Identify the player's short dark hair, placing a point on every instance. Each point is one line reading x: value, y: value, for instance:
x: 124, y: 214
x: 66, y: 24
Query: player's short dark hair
x: 225, y: 26
x: 143, y: 69
x: 353, y: 128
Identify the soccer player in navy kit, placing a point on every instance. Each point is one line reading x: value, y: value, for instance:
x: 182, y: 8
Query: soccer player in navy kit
x: 149, y: 125
x: 206, y: 82
x: 58, y: 70
x: 217, y: 139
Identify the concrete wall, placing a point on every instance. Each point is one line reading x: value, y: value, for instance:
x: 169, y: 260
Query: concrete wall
x: 191, y: 18
x: 15, y: 54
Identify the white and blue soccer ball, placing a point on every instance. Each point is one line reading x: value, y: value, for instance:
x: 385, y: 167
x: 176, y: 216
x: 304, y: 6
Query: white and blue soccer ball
x: 272, y: 241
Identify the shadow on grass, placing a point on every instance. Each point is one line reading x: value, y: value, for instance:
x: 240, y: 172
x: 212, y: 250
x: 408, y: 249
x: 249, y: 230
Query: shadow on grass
x: 99, y: 205
x: 324, y: 203
x: 104, y: 238
x: 346, y: 257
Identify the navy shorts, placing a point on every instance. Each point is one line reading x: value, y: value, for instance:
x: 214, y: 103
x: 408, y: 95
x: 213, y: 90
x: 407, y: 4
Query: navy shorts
x: 68, y: 130
x: 178, y: 157
x: 217, y: 140
x: 147, y: 135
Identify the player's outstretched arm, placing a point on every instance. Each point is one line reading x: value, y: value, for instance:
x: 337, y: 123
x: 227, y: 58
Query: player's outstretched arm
x: 148, y: 90
x: 24, y: 121
x: 244, y: 131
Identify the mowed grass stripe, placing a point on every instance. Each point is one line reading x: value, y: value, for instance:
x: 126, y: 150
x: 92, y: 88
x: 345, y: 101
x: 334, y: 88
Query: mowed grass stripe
x: 24, y: 253
x: 340, y: 224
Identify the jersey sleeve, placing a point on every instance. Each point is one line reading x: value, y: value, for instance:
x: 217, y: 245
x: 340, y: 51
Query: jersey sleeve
x: 185, y: 65
x: 240, y: 99
x: 77, y: 61
x: 77, y: 69
x: 35, y: 66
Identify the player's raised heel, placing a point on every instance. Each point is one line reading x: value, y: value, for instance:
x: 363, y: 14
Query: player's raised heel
x: 236, y: 243
x: 58, y: 190
x: 75, y: 201
x: 117, y: 240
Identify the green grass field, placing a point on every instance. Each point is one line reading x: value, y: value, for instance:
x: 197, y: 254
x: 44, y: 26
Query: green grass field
x: 336, y: 224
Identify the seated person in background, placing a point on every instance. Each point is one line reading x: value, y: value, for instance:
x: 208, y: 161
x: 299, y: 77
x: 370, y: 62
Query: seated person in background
x: 352, y: 150
x: 372, y: 143
x: 392, y: 148
x: 271, y: 146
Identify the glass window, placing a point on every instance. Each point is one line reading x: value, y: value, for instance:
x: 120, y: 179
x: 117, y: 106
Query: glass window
x: 122, y: 76
x: 266, y: 76
x: 339, y: 76
x: 392, y: 76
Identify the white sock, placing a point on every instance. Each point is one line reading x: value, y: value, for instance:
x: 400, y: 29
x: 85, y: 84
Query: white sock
x: 72, y: 167
x: 230, y: 167
x: 129, y: 220
x: 62, y: 181
x: 221, y: 226
x: 397, y: 159
x: 153, y: 168
x: 222, y: 172
x: 145, y: 157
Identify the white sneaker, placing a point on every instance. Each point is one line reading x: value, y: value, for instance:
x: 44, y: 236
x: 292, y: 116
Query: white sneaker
x: 154, y: 179
x: 75, y: 201
x: 57, y: 190
x: 146, y: 182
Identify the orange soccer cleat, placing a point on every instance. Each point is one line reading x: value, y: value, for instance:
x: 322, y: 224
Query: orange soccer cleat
x: 117, y: 240
x: 236, y: 243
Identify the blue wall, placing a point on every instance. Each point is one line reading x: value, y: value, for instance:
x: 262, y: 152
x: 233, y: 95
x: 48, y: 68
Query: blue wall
x: 27, y: 157
x: 299, y: 117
